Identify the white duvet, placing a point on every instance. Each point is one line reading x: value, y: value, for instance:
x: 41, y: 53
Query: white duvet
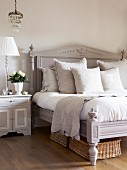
x: 108, y: 108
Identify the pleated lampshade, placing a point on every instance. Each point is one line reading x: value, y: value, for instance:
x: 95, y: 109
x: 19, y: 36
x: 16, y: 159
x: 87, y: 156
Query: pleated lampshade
x: 8, y: 47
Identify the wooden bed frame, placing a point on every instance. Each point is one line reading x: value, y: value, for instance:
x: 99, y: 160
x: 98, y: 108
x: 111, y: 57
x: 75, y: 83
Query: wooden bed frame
x: 92, y: 129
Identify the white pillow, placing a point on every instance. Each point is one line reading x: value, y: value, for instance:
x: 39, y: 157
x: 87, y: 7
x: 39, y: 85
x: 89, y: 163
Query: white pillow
x: 121, y: 64
x: 65, y: 77
x: 49, y: 82
x: 111, y: 80
x: 87, y: 80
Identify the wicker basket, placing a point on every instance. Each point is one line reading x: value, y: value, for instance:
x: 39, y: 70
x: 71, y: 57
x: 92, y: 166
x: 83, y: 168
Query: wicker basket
x: 107, y: 149
x: 61, y: 139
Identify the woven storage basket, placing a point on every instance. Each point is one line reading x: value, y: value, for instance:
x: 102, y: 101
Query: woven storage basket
x: 107, y: 149
x: 59, y: 138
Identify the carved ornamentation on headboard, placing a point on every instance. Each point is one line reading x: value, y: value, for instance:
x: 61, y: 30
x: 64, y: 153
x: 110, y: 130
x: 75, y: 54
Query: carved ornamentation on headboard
x: 43, y: 59
x: 32, y: 56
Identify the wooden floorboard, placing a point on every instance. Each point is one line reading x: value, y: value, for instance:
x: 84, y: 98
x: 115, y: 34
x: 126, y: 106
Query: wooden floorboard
x: 38, y: 152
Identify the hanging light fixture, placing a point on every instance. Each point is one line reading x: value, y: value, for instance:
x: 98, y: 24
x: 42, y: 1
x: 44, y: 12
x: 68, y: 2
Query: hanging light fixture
x: 15, y: 19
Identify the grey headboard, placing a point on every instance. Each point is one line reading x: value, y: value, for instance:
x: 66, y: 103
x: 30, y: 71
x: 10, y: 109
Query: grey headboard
x: 41, y: 59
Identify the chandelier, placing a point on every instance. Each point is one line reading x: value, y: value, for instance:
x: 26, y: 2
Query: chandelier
x: 15, y: 19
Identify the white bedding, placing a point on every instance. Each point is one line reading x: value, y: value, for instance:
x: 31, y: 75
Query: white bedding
x: 109, y: 108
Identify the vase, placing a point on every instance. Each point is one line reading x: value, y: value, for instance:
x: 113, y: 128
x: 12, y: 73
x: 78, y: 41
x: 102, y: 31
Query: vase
x: 18, y: 88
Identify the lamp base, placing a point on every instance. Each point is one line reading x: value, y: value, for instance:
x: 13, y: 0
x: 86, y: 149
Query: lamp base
x: 6, y: 68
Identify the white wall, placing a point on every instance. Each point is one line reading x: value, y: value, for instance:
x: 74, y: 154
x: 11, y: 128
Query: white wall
x: 52, y: 23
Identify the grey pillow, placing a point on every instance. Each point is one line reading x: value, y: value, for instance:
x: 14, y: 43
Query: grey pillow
x: 64, y: 75
x: 49, y: 82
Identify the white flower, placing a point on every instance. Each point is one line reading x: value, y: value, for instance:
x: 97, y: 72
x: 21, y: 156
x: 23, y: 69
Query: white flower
x: 13, y: 73
x: 21, y: 73
x: 18, y: 76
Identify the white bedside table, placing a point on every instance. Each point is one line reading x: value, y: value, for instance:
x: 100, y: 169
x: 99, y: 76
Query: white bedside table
x: 15, y: 114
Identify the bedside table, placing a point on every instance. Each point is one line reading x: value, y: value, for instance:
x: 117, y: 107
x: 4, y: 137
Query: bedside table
x: 15, y: 114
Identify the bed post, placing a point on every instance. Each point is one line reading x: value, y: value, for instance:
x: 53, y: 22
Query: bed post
x: 93, y: 136
x: 31, y: 53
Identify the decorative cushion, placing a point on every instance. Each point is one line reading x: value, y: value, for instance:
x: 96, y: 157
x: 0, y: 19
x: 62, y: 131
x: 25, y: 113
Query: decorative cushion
x: 111, y: 80
x: 49, y: 82
x: 65, y: 77
x: 122, y: 65
x: 87, y: 80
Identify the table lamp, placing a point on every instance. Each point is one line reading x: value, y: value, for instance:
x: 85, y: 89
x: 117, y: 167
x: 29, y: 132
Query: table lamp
x: 8, y: 48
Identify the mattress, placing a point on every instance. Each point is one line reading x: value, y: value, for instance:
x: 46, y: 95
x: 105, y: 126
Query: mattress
x: 111, y: 106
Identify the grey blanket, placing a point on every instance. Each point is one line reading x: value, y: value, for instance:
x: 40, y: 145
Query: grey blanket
x: 66, y: 117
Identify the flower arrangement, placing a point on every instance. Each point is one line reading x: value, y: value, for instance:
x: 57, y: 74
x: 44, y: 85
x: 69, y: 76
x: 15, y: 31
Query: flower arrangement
x: 17, y: 77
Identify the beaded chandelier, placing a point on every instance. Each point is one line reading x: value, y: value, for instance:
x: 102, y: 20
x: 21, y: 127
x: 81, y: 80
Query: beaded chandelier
x: 15, y: 19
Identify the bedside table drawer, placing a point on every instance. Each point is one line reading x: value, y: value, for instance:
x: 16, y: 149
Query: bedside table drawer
x: 13, y: 101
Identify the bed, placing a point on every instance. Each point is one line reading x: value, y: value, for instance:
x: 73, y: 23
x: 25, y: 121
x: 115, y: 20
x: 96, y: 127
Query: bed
x: 91, y: 128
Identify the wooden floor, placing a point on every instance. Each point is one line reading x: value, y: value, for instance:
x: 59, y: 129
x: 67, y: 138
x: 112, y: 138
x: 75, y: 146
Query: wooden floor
x: 38, y: 152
